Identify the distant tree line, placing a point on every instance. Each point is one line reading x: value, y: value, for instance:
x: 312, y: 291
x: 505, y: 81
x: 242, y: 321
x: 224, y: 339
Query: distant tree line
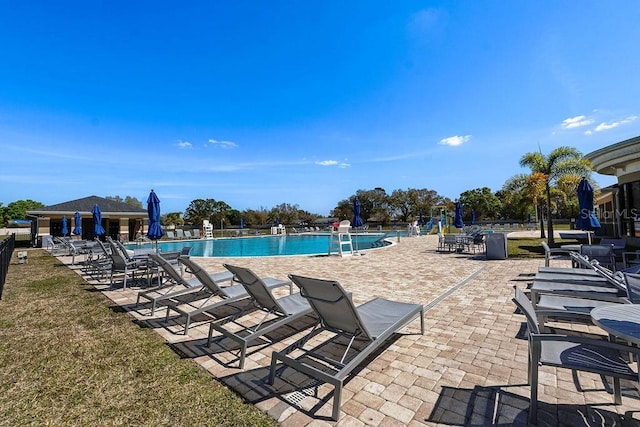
x: 549, y: 191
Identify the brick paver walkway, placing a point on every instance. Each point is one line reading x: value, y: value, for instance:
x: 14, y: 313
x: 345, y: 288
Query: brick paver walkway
x: 469, y: 368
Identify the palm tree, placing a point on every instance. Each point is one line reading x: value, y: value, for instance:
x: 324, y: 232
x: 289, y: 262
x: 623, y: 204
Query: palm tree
x: 521, y: 192
x: 560, y: 162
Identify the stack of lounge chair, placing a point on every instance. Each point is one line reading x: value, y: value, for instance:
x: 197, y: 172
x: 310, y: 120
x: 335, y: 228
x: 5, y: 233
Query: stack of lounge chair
x: 570, y: 295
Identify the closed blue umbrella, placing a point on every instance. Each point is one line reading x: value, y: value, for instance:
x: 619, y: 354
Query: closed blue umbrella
x: 473, y: 217
x: 421, y: 219
x: 241, y: 223
x: 357, y: 219
x: 65, y: 228
x: 457, y: 219
x: 98, y: 230
x: 529, y: 218
x: 587, y: 220
x: 77, y: 221
x: 277, y: 221
x: 155, y: 231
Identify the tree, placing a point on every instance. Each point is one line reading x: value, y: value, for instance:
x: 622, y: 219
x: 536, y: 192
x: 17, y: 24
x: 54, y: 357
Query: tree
x: 129, y: 200
x: 132, y: 201
x: 522, y: 193
x: 256, y: 217
x: 172, y: 218
x: 406, y: 205
x: 560, y: 162
x: 374, y: 204
x: 482, y: 201
x: 285, y: 213
x: 19, y: 208
x: 344, y: 209
x: 198, y: 210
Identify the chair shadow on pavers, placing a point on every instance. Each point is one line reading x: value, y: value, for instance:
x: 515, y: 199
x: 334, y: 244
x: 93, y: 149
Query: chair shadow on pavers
x: 228, y: 352
x: 498, y: 406
x: 175, y: 322
x: 295, y: 389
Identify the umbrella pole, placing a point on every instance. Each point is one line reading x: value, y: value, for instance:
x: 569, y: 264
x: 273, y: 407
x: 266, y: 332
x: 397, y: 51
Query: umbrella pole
x: 356, y: 252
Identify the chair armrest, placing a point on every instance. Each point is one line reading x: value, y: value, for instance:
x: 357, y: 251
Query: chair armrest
x: 579, y: 339
x: 559, y: 251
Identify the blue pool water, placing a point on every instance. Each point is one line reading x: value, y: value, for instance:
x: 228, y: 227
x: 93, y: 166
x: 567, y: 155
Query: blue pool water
x: 299, y: 244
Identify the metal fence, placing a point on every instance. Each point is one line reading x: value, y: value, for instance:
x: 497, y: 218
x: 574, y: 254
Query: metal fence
x: 6, y: 252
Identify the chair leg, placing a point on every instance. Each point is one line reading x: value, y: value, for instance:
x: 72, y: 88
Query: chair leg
x: 187, y: 322
x: 337, y: 399
x: 533, y: 382
x: 533, y: 402
x: 243, y: 354
x: 617, y: 393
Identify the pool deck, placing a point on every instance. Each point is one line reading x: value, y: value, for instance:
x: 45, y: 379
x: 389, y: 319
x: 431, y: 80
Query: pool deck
x: 469, y: 367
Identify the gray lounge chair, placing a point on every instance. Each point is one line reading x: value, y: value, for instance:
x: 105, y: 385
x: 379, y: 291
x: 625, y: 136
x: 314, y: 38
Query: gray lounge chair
x: 370, y: 324
x: 568, y: 270
x: 176, y: 285
x: 602, y: 253
x: 579, y: 309
x: 602, y: 292
x: 278, y: 312
x: 633, y: 287
x: 578, y: 353
x: 612, y: 288
x: 121, y: 264
x: 223, y: 295
x: 98, y: 262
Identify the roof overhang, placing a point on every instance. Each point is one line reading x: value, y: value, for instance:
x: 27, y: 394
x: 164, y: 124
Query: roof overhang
x: 618, y: 159
x: 88, y: 213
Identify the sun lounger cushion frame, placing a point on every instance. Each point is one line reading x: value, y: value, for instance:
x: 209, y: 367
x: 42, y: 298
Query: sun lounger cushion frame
x: 371, y: 323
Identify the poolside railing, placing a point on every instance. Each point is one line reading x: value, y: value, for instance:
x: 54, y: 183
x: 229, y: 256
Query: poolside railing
x: 6, y: 252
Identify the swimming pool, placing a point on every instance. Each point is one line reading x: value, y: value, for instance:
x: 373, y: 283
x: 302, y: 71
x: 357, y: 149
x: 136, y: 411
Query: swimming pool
x: 296, y: 244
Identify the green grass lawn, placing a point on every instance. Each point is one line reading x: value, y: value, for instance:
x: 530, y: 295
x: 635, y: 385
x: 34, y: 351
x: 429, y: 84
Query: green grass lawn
x: 70, y: 356
x: 530, y: 247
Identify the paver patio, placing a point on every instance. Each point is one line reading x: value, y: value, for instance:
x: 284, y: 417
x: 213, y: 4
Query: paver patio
x: 469, y: 368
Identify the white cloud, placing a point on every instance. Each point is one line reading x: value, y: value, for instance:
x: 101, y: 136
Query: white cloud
x: 327, y: 163
x: 344, y: 165
x: 223, y: 144
x: 454, y: 141
x: 184, y: 144
x: 576, y: 122
x: 611, y: 125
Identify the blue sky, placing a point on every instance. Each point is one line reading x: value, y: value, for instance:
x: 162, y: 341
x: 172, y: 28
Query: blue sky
x: 260, y: 103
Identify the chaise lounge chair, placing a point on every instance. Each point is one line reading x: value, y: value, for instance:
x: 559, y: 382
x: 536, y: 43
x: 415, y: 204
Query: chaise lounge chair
x: 176, y: 285
x: 122, y: 264
x: 98, y: 262
x: 366, y: 327
x: 579, y: 309
x: 278, y: 312
x: 224, y: 295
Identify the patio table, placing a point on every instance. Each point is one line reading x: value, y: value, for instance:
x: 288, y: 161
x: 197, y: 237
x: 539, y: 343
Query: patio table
x: 622, y: 321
